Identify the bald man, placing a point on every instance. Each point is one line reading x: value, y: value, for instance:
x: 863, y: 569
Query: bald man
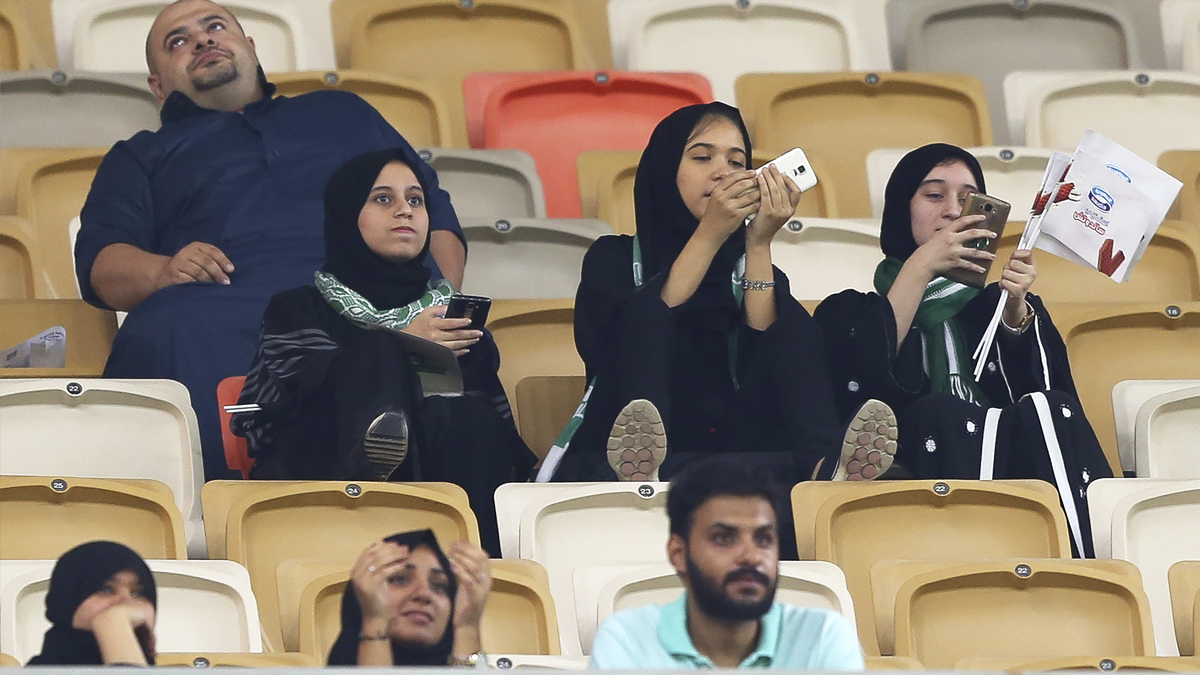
x: 192, y: 228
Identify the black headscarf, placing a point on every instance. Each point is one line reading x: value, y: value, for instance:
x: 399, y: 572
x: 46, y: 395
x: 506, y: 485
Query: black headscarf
x: 78, y: 574
x: 895, y: 234
x: 384, y: 284
x: 345, y: 649
x: 664, y: 223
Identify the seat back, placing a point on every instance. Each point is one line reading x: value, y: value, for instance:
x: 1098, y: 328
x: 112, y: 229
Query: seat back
x: 1105, y: 664
x: 524, y: 258
x: 844, y: 116
x: 1184, y: 165
x: 489, y: 183
x: 52, y: 108
x: 26, y: 35
x: 823, y: 256
x: 90, y: 332
x: 237, y: 660
x: 536, y: 662
x: 535, y: 337
x: 1184, y: 580
x: 1181, y: 33
x: 1128, y: 397
x: 237, y: 454
x: 544, y: 405
x: 1165, y: 438
x: 606, y: 187
x: 21, y: 271
x: 511, y: 500
x: 854, y: 526
x: 66, y: 512
x: 799, y: 36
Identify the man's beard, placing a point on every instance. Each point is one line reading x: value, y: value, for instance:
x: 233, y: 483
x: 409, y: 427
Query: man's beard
x: 715, y: 602
x: 214, y: 77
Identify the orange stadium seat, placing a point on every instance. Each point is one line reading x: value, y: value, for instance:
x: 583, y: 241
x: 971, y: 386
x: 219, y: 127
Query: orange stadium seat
x: 58, y: 109
x: 556, y: 116
x: 237, y: 456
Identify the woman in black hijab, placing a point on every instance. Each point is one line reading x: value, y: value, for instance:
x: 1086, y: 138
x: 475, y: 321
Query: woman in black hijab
x: 339, y: 395
x: 101, y: 607
x: 910, y: 344
x: 409, y: 604
x: 687, y: 331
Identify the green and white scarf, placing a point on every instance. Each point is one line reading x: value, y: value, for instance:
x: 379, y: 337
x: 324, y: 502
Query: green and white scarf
x: 945, y: 352
x: 359, y: 311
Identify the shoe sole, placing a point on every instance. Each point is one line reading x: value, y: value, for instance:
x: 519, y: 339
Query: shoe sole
x: 386, y: 445
x: 637, y: 445
x: 869, y: 446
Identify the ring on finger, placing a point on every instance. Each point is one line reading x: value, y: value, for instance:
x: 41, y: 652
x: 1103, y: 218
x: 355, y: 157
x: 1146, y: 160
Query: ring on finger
x: 370, y: 568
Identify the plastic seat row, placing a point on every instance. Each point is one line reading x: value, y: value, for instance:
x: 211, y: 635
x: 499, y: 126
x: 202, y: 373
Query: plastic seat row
x: 1157, y: 422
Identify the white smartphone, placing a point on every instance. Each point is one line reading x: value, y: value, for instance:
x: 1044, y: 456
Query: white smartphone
x: 794, y: 164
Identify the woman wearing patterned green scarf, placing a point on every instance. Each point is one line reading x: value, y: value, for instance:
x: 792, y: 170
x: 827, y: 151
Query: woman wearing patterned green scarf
x: 910, y: 345
x: 339, y: 398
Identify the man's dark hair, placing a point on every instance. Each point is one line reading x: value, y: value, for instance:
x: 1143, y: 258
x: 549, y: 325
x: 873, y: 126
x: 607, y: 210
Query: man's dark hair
x: 718, y: 476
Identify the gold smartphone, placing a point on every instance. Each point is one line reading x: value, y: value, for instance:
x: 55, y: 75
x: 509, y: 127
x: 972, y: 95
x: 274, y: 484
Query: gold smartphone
x: 996, y: 214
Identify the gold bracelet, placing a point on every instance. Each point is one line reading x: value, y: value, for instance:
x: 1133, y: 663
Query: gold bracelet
x: 363, y: 637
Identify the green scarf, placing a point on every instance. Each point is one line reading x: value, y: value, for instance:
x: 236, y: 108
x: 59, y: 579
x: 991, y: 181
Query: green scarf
x: 359, y: 311
x: 945, y: 353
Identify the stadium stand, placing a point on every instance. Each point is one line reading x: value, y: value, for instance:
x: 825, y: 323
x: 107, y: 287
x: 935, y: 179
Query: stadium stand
x: 1184, y: 580
x: 489, y: 183
x: 823, y: 256
x: 1184, y: 165
x: 1128, y: 397
x: 52, y: 108
x: 26, y: 35
x: 1165, y: 435
x: 66, y: 512
x: 841, y: 117
x: 1104, y: 664
x: 536, y: 337
x: 237, y: 660
x: 543, y: 407
x: 787, y: 36
x: 536, y: 661
x: 525, y: 258
x: 89, y: 334
x: 417, y: 110
x: 21, y: 270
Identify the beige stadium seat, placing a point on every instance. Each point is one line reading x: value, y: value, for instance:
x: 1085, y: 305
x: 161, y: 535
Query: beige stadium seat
x: 95, y: 35
x: 1184, y: 165
x: 544, y: 405
x: 1181, y: 33
x: 1148, y: 112
x: 511, y: 500
x: 602, y: 589
x: 489, y: 183
x: 237, y: 660
x: 823, y: 256
x: 396, y: 37
x: 819, y: 201
x: 8, y: 661
x: 841, y: 117
x: 21, y: 268
x: 854, y: 526
x: 536, y: 337
x: 203, y: 605
x: 26, y: 35
x: 1127, y: 398
x: 536, y: 662
x: 519, y: 617
x: 1019, y: 608
x: 90, y: 332
x: 66, y: 512
x: 1098, y: 338
x: 59, y: 109
x: 787, y: 36
x: 1184, y: 580
x: 589, y: 523
x: 262, y: 524
x: 527, y: 258
x: 1167, y: 435
x: 990, y: 38
x: 892, y: 663
x: 606, y: 187
x: 415, y: 109
x: 1134, y: 664
x: 1102, y: 500
x: 106, y: 428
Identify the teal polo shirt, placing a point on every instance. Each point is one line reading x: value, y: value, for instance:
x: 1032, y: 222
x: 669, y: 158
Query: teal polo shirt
x: 655, y: 637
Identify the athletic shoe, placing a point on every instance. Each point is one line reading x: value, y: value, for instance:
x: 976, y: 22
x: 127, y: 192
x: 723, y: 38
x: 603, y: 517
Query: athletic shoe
x: 637, y: 445
x: 386, y: 444
x: 869, y: 445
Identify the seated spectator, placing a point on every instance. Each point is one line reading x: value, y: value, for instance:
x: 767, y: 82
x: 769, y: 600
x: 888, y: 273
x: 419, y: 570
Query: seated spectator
x: 910, y: 343
x: 192, y: 228
x: 724, y: 544
x: 340, y: 398
x: 101, y: 607
x: 409, y: 604
x: 687, y: 330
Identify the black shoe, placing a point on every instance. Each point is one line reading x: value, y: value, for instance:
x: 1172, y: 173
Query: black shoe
x: 386, y: 444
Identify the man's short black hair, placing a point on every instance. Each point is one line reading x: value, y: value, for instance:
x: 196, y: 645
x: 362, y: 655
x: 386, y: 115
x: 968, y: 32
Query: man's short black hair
x: 718, y: 476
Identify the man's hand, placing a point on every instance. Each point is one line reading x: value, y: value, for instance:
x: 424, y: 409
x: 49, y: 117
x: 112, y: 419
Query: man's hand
x: 197, y: 261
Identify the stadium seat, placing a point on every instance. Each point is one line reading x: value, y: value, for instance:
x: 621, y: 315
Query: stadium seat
x: 57, y: 109
x: 21, y: 268
x: 1128, y: 397
x: 414, y: 108
x: 536, y: 337
x: 237, y: 454
x: 1017, y: 608
x: 511, y: 500
x: 1167, y: 433
x: 489, y: 183
x: 536, y: 662
x: 130, y: 429
x: 823, y: 256
x: 841, y: 117
x: 237, y: 660
x: 1098, y: 338
x: 397, y: 37
x: 1184, y: 165
x: 262, y: 524
x: 90, y: 332
x: 1148, y: 112
x: 604, y: 588
x: 555, y: 116
x: 990, y: 38
x: 786, y: 36
x: 544, y: 406
x: 26, y: 35
x: 9, y: 661
x: 66, y: 512
x: 892, y: 663
x: 606, y: 187
x: 1184, y: 580
x: 1106, y: 664
x: 524, y: 258
x: 519, y: 617
x: 95, y: 35
x: 1181, y: 34
x: 854, y: 526
x: 203, y: 605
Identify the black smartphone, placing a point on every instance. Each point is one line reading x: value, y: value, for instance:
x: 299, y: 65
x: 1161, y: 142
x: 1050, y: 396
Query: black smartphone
x: 995, y: 212
x: 473, y: 307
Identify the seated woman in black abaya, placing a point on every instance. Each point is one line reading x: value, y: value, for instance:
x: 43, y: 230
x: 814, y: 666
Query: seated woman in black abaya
x: 688, y: 331
x: 339, y: 396
x: 910, y: 344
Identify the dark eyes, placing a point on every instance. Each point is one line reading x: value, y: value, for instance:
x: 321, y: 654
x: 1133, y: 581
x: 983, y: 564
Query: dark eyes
x: 383, y: 199
x: 180, y: 40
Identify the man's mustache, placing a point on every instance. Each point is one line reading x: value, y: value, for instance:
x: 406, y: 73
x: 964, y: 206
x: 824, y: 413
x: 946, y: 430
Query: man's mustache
x: 747, y: 574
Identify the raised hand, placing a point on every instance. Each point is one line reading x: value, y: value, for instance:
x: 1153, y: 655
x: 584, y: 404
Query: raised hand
x: 731, y: 202
x: 948, y: 249
x: 473, y: 573
x: 780, y: 197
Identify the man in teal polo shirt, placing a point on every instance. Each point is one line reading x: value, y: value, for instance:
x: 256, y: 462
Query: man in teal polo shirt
x: 724, y: 544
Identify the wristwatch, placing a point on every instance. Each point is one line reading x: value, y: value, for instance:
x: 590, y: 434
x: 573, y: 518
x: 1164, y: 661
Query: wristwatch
x: 468, y: 661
